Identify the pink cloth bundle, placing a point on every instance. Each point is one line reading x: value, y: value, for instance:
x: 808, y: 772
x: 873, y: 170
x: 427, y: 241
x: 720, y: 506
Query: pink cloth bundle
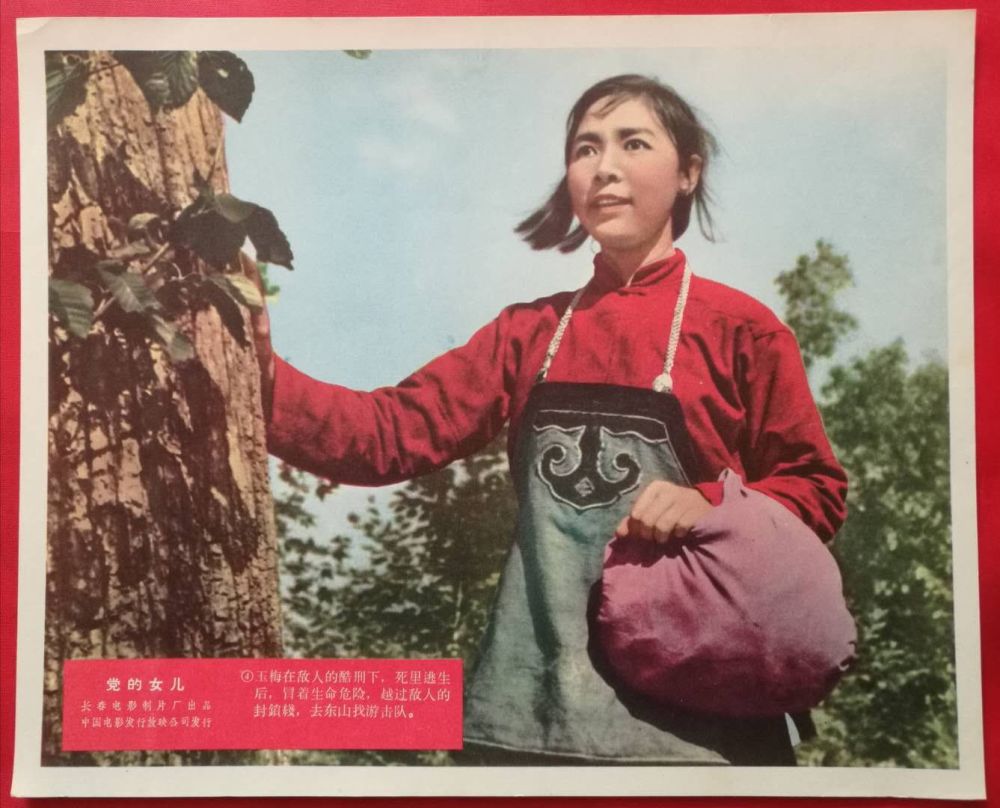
x: 744, y: 617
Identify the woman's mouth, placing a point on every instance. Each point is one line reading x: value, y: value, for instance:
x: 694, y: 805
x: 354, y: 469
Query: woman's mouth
x: 605, y: 201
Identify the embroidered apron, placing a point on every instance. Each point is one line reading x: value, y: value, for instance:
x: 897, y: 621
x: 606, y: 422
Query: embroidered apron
x: 583, y: 454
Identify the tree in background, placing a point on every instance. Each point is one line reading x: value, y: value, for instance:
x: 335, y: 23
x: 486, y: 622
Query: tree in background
x: 417, y: 578
x: 430, y: 567
x: 810, y: 292
x: 888, y: 424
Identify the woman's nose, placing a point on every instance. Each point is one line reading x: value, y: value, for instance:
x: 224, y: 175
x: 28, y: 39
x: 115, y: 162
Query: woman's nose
x: 607, y: 166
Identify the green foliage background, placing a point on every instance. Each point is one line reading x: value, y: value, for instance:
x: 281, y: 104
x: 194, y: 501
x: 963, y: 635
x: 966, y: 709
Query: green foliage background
x: 417, y: 578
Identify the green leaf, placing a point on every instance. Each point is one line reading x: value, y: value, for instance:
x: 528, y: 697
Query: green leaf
x: 358, y: 54
x: 72, y: 304
x: 129, y: 290
x: 167, y: 79
x: 221, y: 295
x: 145, y: 224
x: 65, y: 85
x: 203, y: 229
x: 234, y: 209
x: 178, y: 346
x: 227, y: 80
x: 270, y: 289
x: 243, y: 290
x: 270, y: 242
x: 180, y: 68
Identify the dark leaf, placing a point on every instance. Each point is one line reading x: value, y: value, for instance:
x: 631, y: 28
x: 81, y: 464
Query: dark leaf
x: 181, y: 71
x: 146, y: 225
x: 216, y: 225
x: 208, y: 233
x: 178, y: 346
x: 227, y: 80
x: 76, y: 260
x: 72, y: 304
x: 130, y: 291
x: 358, y: 54
x: 167, y: 79
x: 220, y: 294
x: 65, y: 85
x: 270, y: 242
x: 234, y: 209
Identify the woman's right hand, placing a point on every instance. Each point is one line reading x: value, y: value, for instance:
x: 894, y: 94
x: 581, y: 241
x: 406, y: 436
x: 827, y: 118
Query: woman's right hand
x: 664, y: 511
x: 260, y: 325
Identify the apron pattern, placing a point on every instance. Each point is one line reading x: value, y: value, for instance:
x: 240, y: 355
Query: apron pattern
x: 586, y: 459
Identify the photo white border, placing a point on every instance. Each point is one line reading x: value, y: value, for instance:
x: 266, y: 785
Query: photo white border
x: 951, y: 31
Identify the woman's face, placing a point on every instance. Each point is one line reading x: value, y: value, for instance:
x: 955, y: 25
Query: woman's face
x: 624, y: 176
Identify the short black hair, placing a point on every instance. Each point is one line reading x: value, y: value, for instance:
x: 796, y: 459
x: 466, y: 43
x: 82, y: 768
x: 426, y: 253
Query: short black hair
x: 549, y: 226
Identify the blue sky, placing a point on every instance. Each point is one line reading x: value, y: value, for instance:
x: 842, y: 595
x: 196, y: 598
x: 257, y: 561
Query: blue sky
x: 399, y: 179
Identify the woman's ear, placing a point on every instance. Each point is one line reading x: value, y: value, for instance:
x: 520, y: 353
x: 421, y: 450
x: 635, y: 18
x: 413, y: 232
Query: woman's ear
x: 691, y: 175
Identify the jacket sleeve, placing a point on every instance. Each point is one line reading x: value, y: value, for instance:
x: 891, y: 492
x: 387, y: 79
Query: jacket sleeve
x: 448, y: 409
x: 785, y: 451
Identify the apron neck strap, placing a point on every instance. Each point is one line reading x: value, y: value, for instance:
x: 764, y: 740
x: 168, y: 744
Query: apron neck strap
x: 663, y: 383
x: 550, y: 353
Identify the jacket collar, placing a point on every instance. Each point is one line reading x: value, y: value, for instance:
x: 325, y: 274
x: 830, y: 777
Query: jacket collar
x: 606, y: 279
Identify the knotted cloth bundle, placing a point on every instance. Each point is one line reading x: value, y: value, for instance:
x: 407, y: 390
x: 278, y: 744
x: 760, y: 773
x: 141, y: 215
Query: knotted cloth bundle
x: 744, y: 617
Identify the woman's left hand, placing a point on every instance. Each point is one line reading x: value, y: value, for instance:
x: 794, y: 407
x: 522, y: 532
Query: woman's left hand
x: 664, y: 511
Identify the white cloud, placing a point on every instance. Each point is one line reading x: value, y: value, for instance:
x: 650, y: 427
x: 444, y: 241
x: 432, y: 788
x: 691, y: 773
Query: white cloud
x: 421, y: 100
x: 385, y: 156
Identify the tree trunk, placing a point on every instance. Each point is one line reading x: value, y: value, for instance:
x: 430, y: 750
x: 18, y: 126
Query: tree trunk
x: 161, y: 538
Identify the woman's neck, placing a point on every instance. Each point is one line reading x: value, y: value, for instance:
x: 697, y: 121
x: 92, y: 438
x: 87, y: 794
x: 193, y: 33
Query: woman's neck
x: 625, y: 263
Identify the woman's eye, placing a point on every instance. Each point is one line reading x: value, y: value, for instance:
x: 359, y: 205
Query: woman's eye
x: 634, y: 144
x: 584, y: 150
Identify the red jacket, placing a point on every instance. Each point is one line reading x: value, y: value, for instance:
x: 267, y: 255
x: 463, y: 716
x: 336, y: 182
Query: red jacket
x: 738, y: 376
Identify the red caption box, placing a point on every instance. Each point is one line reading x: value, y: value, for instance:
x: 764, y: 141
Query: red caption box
x: 119, y: 705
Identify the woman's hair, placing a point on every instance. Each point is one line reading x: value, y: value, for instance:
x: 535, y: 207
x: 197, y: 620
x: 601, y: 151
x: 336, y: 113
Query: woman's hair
x: 549, y: 226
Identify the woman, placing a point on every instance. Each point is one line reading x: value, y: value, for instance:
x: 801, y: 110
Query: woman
x: 626, y: 399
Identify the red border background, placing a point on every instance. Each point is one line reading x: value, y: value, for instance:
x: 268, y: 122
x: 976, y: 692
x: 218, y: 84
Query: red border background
x: 987, y: 313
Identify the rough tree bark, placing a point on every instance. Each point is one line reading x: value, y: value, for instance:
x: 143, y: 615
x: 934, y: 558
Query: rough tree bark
x: 161, y: 539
